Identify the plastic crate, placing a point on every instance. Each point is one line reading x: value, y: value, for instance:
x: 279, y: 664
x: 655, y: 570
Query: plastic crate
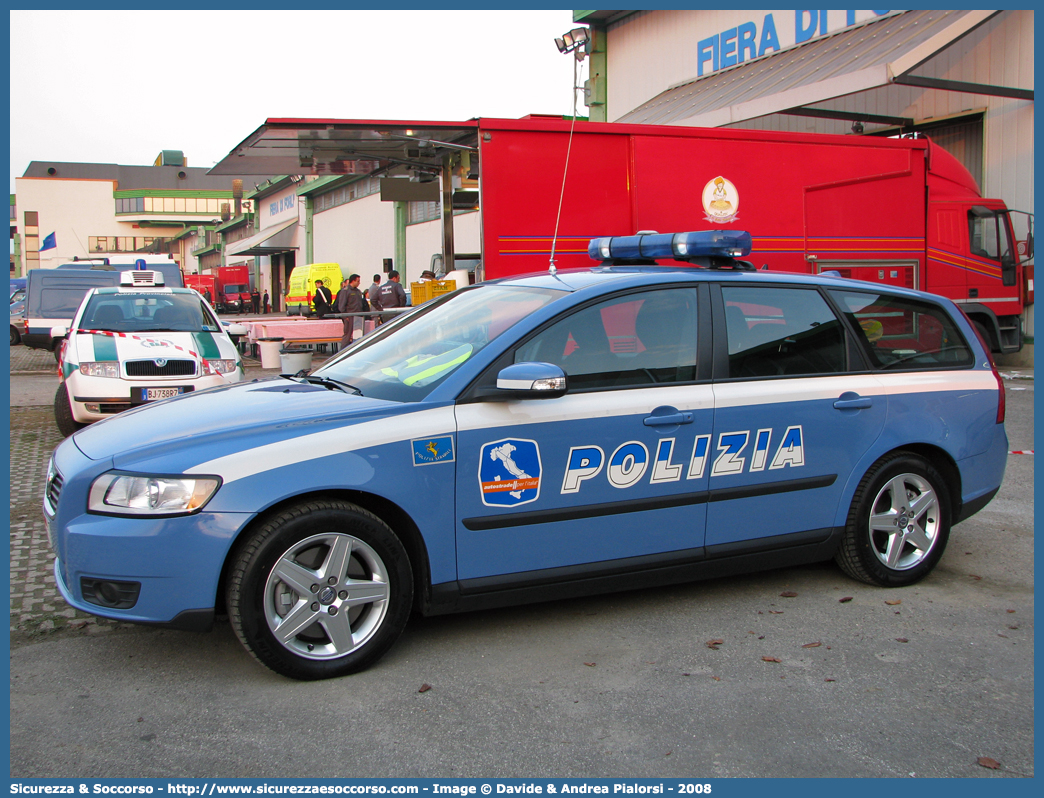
x: 427, y: 290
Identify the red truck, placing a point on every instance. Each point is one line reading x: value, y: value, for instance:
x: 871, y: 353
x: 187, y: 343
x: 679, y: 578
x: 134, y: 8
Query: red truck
x: 900, y: 211
x: 203, y: 283
x: 233, y: 285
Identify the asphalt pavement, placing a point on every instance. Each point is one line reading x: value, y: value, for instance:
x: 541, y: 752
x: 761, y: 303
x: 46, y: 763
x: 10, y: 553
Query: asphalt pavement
x: 841, y: 679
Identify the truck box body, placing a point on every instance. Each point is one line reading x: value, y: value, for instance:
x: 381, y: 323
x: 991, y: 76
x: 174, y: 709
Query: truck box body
x: 897, y: 211
x: 202, y: 283
x: 233, y: 283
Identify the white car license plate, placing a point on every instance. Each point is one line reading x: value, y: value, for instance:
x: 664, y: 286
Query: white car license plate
x: 151, y: 394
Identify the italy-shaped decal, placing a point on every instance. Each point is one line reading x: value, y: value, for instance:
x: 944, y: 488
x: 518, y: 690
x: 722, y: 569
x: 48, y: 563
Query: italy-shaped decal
x: 509, y: 472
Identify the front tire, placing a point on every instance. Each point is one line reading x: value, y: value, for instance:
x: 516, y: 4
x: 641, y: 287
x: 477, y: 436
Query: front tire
x: 899, y: 522
x: 321, y: 589
x: 63, y: 416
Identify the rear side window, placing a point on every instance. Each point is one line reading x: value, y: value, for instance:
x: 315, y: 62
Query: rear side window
x: 774, y: 332
x: 647, y: 338
x: 900, y: 333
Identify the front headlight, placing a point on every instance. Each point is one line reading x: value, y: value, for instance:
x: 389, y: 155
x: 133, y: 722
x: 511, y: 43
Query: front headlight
x: 222, y: 366
x: 102, y: 369
x: 142, y: 494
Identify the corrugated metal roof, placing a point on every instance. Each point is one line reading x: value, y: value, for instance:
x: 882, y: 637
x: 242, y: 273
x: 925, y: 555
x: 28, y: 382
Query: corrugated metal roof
x: 854, y: 59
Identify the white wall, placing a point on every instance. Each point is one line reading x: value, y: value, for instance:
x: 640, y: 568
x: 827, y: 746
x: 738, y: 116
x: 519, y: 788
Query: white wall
x: 71, y: 209
x: 358, y: 235
x: 425, y: 239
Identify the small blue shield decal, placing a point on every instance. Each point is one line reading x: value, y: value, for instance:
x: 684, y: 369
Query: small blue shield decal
x: 428, y: 451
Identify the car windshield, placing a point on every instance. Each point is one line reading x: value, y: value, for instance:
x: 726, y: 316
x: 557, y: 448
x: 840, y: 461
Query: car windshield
x: 403, y: 361
x: 147, y: 312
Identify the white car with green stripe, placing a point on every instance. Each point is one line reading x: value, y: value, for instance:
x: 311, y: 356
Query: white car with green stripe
x: 138, y: 343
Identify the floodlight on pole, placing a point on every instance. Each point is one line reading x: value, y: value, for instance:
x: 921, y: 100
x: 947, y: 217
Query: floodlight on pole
x: 574, y: 42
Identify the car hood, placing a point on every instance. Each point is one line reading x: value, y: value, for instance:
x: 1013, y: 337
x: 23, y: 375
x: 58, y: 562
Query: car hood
x: 152, y: 346
x: 218, y: 421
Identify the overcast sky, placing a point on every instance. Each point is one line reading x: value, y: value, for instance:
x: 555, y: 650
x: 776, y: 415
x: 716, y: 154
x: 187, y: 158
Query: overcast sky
x: 120, y: 86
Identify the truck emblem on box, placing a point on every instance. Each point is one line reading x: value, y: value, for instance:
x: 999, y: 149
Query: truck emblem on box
x: 509, y: 472
x: 720, y: 201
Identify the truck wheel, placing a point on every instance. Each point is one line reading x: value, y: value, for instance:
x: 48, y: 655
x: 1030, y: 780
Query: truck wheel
x: 985, y: 334
x: 16, y: 337
x: 322, y: 589
x: 63, y: 416
x: 56, y: 349
x: 899, y: 522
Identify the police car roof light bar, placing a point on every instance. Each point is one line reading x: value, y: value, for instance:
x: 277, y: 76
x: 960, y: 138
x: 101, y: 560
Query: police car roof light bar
x: 146, y: 279
x: 675, y: 246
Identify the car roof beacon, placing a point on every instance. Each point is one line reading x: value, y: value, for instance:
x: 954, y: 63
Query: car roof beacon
x: 715, y: 248
x: 142, y: 278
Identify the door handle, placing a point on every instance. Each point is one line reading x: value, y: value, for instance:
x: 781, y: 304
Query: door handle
x: 671, y: 420
x: 850, y: 400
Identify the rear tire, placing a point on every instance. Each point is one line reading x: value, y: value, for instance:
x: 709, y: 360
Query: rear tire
x: 16, y: 337
x: 898, y: 524
x: 63, y: 416
x: 985, y: 334
x: 320, y: 590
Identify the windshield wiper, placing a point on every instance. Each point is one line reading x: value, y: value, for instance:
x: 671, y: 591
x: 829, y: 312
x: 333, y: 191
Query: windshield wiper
x: 326, y: 382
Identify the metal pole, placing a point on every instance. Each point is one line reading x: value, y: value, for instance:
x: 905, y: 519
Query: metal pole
x: 447, y: 214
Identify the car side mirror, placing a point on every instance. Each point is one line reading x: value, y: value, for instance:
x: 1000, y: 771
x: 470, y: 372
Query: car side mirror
x: 236, y: 329
x: 59, y: 332
x: 532, y: 380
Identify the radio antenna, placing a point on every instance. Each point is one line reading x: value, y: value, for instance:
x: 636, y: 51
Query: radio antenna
x: 574, y: 45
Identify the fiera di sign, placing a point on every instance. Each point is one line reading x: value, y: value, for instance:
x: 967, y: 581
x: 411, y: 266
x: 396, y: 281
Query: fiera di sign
x: 755, y: 34
x: 278, y: 207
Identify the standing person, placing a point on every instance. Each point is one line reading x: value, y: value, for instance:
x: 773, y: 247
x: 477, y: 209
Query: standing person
x: 255, y: 300
x: 323, y: 299
x: 392, y: 294
x: 264, y: 301
x: 354, y: 302
x: 373, y: 294
x: 206, y: 295
x: 341, y: 297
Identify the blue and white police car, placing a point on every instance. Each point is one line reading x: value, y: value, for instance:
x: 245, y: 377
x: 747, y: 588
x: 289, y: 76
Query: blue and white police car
x: 539, y: 437
x: 136, y: 343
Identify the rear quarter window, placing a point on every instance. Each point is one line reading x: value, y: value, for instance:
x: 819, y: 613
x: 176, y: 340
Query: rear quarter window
x: 777, y: 331
x: 901, y: 333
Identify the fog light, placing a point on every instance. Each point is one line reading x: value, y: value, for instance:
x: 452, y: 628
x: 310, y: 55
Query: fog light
x: 110, y: 593
x: 92, y: 408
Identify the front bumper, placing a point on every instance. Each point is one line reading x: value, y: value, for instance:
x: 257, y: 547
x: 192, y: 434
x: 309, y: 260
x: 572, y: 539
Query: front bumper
x: 112, y: 396
x: 201, y: 620
x: 177, y: 562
